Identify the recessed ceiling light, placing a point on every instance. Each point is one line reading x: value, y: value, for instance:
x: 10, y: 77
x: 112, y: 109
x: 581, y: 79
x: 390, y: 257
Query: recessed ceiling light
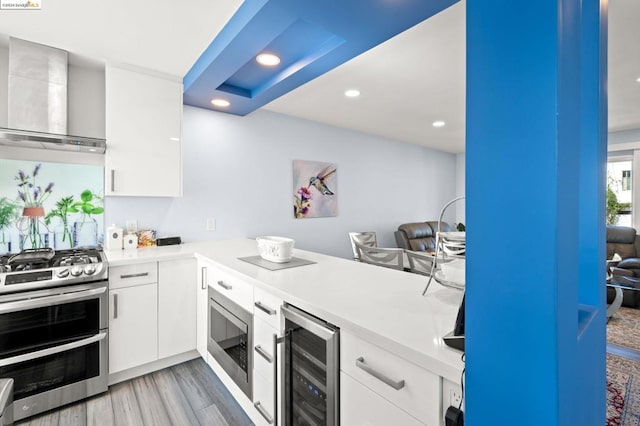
x: 222, y: 103
x: 438, y: 123
x: 352, y: 93
x: 268, y: 59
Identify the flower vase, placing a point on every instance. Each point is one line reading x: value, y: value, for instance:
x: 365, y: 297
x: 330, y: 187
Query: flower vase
x: 33, y: 231
x: 62, y: 239
x: 85, y: 233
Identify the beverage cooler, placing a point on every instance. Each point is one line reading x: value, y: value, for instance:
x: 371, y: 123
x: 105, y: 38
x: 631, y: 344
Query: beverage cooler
x: 310, y: 370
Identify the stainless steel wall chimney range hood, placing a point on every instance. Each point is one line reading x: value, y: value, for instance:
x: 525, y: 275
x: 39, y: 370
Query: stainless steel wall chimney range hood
x: 38, y: 101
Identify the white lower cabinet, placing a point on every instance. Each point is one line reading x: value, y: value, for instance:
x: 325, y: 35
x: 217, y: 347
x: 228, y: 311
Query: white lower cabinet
x: 133, y: 326
x: 407, y: 386
x: 266, y: 327
x: 176, y: 307
x: 360, y: 406
x: 264, y: 399
x: 152, y: 312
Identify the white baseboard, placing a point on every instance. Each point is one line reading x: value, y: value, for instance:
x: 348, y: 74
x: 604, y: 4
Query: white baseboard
x: 141, y: 370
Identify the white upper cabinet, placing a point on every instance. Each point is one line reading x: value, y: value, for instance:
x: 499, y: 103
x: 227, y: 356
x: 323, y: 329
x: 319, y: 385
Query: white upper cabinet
x: 143, y: 126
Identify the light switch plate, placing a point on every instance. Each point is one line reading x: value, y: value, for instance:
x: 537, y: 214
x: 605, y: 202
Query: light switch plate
x: 211, y: 224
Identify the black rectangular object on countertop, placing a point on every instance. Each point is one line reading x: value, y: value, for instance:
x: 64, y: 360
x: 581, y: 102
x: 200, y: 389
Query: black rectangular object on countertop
x: 168, y: 241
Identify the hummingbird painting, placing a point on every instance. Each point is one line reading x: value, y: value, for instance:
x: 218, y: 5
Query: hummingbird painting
x: 319, y: 180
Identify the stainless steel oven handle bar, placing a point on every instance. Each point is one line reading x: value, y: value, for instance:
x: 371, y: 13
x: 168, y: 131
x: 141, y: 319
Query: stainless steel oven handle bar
x: 52, y: 351
x: 46, y: 301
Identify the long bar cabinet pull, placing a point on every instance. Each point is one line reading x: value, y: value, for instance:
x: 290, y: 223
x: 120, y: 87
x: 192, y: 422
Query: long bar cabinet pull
x: 396, y: 384
x: 115, y: 305
x: 113, y: 180
x: 263, y: 353
x: 204, y: 278
x: 263, y: 412
x: 138, y: 275
x: 264, y: 308
x: 276, y: 341
x: 224, y: 285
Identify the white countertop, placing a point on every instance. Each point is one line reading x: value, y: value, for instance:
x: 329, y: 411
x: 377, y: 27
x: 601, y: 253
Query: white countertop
x: 380, y: 305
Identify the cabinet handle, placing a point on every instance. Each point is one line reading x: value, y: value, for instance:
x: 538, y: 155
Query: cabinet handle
x: 204, y: 278
x: 224, y: 285
x: 115, y: 305
x: 264, y: 308
x: 263, y: 412
x: 263, y: 353
x: 113, y: 180
x: 397, y: 385
x: 140, y: 274
x: 276, y: 341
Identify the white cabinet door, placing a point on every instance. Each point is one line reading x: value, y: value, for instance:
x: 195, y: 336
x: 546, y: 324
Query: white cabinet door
x: 202, y: 298
x: 176, y: 307
x: 133, y: 327
x: 143, y: 120
x: 360, y: 406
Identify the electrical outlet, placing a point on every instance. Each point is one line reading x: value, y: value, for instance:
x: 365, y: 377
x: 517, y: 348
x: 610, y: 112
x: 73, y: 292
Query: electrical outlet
x: 451, y: 395
x: 211, y: 224
x: 455, y: 397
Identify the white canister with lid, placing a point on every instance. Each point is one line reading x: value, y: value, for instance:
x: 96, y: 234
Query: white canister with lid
x: 114, y: 238
x: 130, y: 241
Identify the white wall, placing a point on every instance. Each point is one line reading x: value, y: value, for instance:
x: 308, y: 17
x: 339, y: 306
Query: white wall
x: 460, y: 176
x: 238, y: 171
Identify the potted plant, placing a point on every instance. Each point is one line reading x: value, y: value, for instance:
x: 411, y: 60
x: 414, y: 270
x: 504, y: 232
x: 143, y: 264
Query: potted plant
x: 8, y: 214
x: 85, y: 230
x: 32, y: 196
x: 62, y: 238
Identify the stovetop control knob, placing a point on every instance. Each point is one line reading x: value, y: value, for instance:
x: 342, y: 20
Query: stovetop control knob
x: 76, y: 270
x: 89, y: 269
x: 63, y: 273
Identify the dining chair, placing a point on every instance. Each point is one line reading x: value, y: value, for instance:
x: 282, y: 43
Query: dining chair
x: 367, y: 238
x: 420, y: 262
x: 387, y: 257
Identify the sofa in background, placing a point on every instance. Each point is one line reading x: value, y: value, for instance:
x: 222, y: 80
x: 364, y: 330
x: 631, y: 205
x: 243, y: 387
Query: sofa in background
x: 624, y: 241
x: 419, y: 236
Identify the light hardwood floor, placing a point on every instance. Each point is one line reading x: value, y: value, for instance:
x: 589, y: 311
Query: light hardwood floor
x: 185, y: 394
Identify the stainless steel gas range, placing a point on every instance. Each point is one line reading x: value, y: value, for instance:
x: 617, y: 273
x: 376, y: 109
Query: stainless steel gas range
x: 53, y: 327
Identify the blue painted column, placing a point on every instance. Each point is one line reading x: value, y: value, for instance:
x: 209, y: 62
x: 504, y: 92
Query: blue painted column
x: 535, y: 179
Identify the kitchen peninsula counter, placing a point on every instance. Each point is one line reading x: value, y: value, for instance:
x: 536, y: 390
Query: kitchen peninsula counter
x: 380, y: 305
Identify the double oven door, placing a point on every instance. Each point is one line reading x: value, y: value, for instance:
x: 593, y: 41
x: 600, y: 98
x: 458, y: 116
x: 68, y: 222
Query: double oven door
x: 53, y: 344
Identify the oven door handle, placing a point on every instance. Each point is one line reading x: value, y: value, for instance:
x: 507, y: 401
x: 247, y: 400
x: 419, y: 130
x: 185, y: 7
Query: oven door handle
x: 46, y: 301
x: 52, y: 351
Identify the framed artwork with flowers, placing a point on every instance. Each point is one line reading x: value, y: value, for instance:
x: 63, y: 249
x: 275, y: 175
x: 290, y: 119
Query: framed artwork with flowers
x: 315, y: 186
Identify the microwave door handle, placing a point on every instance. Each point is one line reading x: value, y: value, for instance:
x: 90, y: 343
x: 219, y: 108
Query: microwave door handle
x: 52, y: 351
x: 46, y: 301
x: 229, y: 316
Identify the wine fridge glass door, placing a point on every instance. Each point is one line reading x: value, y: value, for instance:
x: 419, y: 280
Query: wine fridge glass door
x: 310, y: 373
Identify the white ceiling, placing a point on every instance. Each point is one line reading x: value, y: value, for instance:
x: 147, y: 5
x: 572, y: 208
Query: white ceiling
x: 406, y: 83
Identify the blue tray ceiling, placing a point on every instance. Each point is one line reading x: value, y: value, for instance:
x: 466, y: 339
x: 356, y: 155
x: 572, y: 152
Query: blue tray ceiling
x: 310, y: 36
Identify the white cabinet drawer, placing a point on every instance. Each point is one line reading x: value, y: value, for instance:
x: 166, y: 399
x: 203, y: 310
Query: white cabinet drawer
x: 232, y: 287
x: 418, y: 390
x: 263, y: 397
x: 263, y: 350
x: 130, y: 275
x: 360, y: 406
x: 267, y: 307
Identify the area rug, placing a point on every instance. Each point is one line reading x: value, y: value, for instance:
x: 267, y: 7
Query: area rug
x: 623, y: 391
x: 623, y: 328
